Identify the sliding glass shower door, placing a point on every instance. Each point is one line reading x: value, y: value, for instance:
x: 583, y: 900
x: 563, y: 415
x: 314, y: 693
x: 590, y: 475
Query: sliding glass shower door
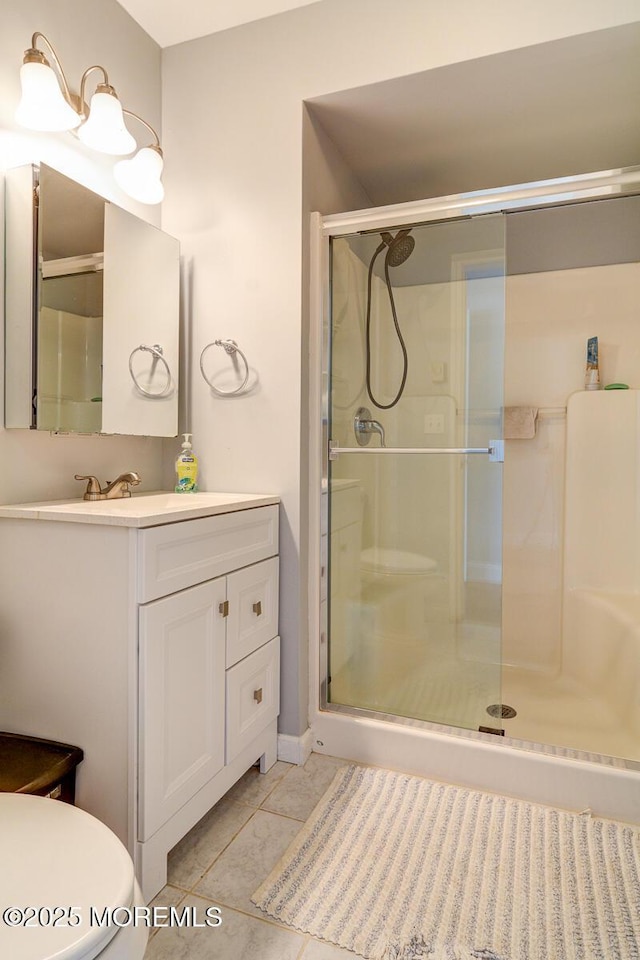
x: 415, y: 472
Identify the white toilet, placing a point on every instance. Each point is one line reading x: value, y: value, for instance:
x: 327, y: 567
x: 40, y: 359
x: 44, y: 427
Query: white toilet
x: 55, y: 855
x: 395, y: 585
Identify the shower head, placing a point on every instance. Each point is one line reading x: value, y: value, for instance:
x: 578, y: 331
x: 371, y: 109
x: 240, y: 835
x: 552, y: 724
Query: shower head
x: 400, y: 247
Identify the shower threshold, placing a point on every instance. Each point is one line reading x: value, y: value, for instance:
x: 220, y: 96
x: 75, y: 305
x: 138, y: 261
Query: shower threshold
x: 541, y: 773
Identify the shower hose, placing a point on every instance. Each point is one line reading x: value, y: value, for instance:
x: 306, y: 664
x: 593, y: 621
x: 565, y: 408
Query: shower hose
x: 405, y: 360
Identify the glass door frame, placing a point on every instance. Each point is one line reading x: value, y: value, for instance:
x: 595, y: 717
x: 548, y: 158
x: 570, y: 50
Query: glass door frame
x: 566, y: 190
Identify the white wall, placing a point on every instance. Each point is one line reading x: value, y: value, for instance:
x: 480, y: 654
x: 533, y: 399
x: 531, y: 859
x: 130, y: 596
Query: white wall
x: 37, y: 466
x: 232, y: 122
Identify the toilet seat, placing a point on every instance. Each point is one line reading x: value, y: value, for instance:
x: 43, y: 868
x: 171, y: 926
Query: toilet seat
x: 396, y: 562
x: 56, y: 855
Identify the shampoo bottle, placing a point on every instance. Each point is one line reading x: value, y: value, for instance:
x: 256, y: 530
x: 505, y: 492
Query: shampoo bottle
x: 592, y: 373
x: 187, y: 468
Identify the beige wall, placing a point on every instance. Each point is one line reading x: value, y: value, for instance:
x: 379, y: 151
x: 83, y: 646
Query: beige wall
x: 37, y: 466
x: 233, y: 118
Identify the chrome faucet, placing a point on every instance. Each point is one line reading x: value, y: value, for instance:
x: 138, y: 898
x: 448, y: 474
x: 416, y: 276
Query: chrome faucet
x: 364, y: 427
x: 114, y: 490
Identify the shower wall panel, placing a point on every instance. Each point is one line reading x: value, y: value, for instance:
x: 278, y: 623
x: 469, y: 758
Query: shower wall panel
x: 549, y: 317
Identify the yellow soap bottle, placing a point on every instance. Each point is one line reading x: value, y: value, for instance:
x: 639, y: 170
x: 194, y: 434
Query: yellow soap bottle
x: 187, y: 468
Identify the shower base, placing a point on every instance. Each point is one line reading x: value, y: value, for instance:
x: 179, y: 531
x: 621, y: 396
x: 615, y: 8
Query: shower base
x: 422, y: 678
x: 557, y: 710
x: 433, y: 682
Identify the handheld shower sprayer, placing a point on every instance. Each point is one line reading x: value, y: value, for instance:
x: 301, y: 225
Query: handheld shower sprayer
x: 399, y: 249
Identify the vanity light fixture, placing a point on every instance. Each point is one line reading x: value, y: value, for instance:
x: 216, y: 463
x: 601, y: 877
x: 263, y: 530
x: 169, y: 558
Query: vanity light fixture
x: 46, y: 101
x: 104, y: 129
x: 139, y: 176
x: 48, y: 105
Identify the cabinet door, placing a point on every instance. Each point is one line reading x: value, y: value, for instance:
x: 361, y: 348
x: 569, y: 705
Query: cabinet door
x: 253, y: 608
x: 182, y: 689
x: 141, y: 307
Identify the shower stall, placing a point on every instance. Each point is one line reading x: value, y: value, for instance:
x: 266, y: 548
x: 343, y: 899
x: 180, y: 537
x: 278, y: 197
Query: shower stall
x: 477, y: 591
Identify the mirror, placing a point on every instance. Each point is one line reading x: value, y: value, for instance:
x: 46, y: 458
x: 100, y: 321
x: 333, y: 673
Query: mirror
x: 92, y: 301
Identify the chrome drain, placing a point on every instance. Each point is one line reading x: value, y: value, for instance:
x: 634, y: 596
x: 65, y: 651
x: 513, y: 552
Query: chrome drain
x: 502, y: 711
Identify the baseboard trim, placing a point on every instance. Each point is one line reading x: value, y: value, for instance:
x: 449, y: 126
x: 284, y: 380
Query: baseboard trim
x: 295, y: 749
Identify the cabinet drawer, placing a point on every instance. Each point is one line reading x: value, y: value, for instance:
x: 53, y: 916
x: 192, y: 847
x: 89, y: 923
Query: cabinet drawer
x: 253, y: 696
x: 178, y: 555
x: 253, y: 609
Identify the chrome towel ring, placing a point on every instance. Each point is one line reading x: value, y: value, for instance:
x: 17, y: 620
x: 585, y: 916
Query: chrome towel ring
x: 157, y: 354
x: 232, y: 348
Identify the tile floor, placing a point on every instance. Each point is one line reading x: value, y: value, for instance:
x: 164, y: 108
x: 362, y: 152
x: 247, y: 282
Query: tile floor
x: 226, y: 856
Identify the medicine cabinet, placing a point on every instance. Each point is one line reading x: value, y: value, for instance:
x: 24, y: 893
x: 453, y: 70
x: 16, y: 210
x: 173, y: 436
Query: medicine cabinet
x: 92, y: 308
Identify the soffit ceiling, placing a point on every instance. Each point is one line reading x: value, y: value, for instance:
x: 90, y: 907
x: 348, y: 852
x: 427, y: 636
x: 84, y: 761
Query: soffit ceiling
x: 169, y: 21
x: 551, y: 110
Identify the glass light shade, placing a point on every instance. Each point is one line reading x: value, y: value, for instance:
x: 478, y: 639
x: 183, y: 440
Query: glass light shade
x: 43, y: 106
x: 105, y: 129
x: 139, y: 177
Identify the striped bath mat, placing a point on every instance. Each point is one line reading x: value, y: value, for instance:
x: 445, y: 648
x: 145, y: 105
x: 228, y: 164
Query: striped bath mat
x: 394, y: 867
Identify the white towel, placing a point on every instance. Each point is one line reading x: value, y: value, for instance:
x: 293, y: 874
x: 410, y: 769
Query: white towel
x: 520, y: 423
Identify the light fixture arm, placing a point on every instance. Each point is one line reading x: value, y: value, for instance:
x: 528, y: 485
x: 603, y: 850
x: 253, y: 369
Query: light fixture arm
x: 35, y: 55
x: 156, y: 145
x: 83, y: 84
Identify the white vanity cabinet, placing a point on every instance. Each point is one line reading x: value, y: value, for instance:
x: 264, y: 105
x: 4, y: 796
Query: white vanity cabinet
x: 153, y: 645
x: 188, y: 701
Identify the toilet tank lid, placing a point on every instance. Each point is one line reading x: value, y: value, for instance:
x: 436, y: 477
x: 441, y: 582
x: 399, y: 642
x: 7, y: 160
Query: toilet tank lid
x: 390, y: 561
x: 54, y: 854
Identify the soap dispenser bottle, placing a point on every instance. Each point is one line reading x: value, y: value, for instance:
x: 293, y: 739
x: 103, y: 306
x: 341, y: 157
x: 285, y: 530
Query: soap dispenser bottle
x: 186, y: 468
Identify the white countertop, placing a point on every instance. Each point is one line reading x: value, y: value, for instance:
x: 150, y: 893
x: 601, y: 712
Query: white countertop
x: 139, y: 510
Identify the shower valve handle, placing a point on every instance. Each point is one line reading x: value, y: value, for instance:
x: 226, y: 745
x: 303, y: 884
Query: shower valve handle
x: 364, y: 427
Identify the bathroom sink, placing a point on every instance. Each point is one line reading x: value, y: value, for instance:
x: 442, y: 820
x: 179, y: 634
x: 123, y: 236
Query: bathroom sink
x: 141, y: 509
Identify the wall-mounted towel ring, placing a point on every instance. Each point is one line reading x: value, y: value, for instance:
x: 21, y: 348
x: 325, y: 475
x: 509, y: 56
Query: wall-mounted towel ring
x: 231, y: 347
x: 157, y: 354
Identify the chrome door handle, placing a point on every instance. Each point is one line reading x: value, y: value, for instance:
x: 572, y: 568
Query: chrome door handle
x: 495, y: 451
